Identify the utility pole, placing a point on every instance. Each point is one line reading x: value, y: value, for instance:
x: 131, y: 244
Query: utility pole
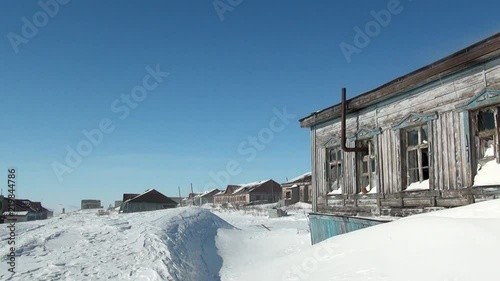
x: 180, y: 198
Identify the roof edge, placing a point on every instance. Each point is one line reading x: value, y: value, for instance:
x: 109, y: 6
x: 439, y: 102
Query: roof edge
x: 471, y: 55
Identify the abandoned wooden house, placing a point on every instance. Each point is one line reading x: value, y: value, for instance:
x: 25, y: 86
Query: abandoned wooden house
x: 266, y: 191
x: 427, y: 140
x: 206, y: 197
x: 224, y: 196
x: 150, y: 200
x: 297, y: 189
x: 22, y: 210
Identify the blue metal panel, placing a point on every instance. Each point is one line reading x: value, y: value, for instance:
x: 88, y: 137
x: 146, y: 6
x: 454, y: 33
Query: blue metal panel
x: 324, y: 226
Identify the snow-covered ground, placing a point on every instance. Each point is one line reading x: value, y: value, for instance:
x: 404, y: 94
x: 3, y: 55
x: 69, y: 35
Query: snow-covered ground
x: 196, y: 244
x: 175, y: 244
x: 455, y: 244
x: 251, y: 246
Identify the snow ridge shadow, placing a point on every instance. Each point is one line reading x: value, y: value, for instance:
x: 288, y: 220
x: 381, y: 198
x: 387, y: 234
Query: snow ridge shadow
x: 191, y: 253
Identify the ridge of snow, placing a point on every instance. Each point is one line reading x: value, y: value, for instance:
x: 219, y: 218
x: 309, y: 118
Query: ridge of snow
x: 174, y: 244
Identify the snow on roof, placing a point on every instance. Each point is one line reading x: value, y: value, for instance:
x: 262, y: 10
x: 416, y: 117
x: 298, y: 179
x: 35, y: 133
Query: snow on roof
x: 299, y: 178
x: 206, y: 192
x: 147, y: 191
x: 249, y: 186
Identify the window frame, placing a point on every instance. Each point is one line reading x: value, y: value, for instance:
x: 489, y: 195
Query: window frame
x: 370, y: 160
x: 334, y: 162
x: 419, y: 147
x: 493, y: 133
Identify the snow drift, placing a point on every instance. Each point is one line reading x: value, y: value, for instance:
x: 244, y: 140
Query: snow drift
x: 174, y: 244
x: 455, y: 244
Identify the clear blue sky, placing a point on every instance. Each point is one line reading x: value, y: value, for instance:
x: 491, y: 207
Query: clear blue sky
x: 225, y: 78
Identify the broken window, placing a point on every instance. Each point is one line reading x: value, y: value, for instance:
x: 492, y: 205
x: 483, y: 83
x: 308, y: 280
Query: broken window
x: 486, y: 133
x: 417, y: 154
x: 366, y: 169
x: 334, y: 168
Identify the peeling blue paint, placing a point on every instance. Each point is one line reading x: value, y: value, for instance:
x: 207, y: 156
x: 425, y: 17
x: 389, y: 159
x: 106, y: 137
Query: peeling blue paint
x: 324, y: 226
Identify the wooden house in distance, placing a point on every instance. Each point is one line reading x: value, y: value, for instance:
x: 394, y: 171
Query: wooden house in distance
x: 297, y: 189
x: 91, y: 204
x: 261, y: 192
x: 428, y: 139
x: 150, y: 200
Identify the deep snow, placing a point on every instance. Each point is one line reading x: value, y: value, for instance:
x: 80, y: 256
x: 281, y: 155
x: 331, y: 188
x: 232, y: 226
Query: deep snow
x: 194, y: 244
x: 456, y: 244
x: 175, y: 244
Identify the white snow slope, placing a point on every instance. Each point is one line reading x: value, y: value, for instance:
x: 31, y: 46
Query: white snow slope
x: 175, y: 244
x: 451, y: 245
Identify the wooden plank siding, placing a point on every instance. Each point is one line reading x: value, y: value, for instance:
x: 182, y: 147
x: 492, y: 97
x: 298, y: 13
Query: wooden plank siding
x: 449, y: 143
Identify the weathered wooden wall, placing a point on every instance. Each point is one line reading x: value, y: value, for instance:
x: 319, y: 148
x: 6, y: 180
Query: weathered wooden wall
x: 450, y: 159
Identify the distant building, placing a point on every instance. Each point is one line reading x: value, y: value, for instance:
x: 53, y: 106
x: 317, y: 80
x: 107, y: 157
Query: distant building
x: 206, y: 197
x: 150, y: 200
x: 91, y: 204
x: 223, y: 196
x: 298, y: 189
x: 189, y: 200
x: 118, y: 203
x: 261, y: 192
x: 23, y: 210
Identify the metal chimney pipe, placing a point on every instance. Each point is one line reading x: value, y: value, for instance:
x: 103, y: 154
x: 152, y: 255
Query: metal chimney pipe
x: 343, y: 138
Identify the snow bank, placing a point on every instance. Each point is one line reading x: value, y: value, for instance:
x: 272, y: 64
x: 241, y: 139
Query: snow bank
x: 488, y: 174
x: 446, y: 245
x: 246, y: 249
x: 174, y: 244
x: 298, y: 206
